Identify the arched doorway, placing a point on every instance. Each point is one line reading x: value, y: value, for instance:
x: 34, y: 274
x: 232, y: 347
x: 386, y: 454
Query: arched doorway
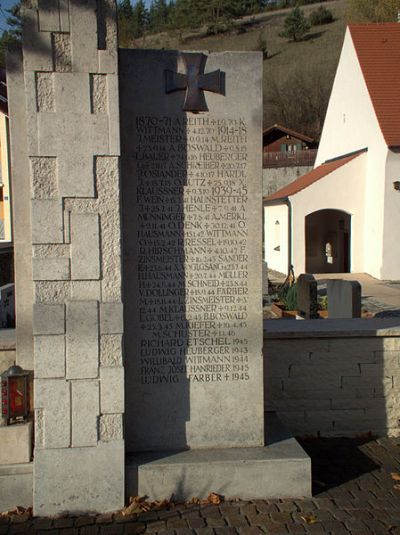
x: 328, y: 242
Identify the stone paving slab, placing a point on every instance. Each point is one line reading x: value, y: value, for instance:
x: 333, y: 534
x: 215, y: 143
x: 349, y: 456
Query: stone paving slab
x: 354, y: 494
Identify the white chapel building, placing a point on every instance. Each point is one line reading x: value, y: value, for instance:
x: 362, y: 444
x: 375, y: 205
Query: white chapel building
x: 344, y: 215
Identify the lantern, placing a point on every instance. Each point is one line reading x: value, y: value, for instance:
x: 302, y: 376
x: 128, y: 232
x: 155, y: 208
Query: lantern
x: 16, y: 386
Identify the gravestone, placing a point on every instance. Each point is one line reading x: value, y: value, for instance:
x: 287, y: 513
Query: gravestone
x: 307, y: 296
x: 344, y: 299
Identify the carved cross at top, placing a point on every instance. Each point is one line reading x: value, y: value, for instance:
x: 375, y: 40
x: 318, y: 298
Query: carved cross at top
x: 195, y: 82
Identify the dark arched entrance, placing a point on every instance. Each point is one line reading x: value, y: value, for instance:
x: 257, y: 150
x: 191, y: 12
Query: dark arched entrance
x: 328, y: 242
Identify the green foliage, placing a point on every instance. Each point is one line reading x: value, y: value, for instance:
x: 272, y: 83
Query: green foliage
x: 321, y: 16
x: 13, y: 35
x: 295, y: 25
x: 373, y: 10
x: 322, y: 302
x: 288, y: 296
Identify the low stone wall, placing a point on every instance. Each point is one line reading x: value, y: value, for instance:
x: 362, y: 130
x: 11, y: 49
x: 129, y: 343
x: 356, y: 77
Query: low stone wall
x: 334, y: 377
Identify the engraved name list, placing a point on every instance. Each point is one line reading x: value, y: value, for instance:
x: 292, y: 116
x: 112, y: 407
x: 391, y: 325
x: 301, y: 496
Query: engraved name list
x: 192, y: 265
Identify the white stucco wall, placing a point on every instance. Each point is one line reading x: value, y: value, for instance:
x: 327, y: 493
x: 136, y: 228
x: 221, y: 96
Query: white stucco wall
x: 350, y: 125
x: 5, y: 176
x: 276, y: 235
x: 344, y: 189
x: 391, y: 230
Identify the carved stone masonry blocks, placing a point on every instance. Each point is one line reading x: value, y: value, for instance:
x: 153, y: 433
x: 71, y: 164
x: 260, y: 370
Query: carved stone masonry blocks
x: 65, y: 149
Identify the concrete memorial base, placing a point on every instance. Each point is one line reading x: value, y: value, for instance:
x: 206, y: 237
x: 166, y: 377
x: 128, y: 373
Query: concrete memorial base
x: 16, y: 443
x: 16, y: 484
x: 281, y: 469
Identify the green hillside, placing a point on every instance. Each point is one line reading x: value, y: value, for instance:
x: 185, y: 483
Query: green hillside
x: 298, y: 76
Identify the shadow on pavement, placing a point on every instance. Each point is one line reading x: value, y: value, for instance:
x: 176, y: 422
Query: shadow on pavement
x: 336, y: 461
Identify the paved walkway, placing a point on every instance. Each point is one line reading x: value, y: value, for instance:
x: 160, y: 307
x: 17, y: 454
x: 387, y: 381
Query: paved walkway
x: 354, y: 493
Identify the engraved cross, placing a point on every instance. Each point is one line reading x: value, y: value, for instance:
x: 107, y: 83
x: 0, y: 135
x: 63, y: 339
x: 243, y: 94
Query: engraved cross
x: 195, y: 82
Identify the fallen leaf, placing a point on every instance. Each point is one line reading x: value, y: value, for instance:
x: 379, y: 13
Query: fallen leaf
x: 397, y: 487
x: 214, y: 498
x: 309, y: 519
x: 395, y: 476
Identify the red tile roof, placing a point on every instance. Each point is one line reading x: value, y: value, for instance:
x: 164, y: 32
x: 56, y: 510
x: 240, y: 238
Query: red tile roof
x: 378, y: 51
x: 311, y: 177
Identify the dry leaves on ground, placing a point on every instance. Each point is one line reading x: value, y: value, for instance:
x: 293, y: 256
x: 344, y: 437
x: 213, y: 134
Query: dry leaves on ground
x: 139, y: 504
x: 18, y: 511
x: 309, y: 519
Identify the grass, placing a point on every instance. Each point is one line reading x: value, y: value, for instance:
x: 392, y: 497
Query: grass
x: 291, y: 71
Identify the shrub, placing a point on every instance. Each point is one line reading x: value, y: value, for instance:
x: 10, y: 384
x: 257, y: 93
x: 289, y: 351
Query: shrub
x: 288, y: 296
x: 295, y: 25
x: 319, y: 16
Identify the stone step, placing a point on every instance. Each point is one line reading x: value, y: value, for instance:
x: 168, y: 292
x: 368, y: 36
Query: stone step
x: 280, y: 469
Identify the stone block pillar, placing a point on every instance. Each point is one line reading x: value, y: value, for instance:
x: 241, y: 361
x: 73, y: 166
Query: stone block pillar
x: 63, y: 88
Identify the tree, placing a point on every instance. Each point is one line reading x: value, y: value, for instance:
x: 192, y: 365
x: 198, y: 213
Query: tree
x: 374, y: 10
x: 13, y: 35
x: 159, y: 15
x: 295, y: 25
x: 299, y: 99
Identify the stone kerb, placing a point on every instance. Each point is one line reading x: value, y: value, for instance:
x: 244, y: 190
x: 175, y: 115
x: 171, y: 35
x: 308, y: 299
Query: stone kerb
x: 65, y: 157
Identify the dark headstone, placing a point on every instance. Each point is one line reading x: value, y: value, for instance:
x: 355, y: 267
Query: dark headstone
x: 307, y: 296
x: 344, y: 299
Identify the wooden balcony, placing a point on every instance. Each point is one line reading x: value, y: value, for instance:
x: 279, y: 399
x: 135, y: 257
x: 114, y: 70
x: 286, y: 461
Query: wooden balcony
x: 289, y: 159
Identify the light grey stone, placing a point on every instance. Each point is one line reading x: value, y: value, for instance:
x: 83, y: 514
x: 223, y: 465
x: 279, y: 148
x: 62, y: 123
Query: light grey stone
x: 44, y: 178
x: 51, y: 251
x: 111, y: 318
x: 45, y: 99
x: 85, y: 290
x: 47, y: 221
x: 16, y: 443
x: 64, y: 15
x: 107, y: 181
x: 181, y: 293
x: 111, y: 390
x: 84, y: 37
x: 113, y: 111
x: 49, y: 16
x: 111, y: 350
x: 232, y: 472
x: 50, y: 269
x: 88, y: 479
x: 62, y: 54
x: 53, y: 426
x: 82, y: 327
x: 36, y: 45
x: 98, y: 93
x: 59, y: 134
x: 52, y: 292
x: 31, y: 112
x: 16, y: 485
x: 48, y: 319
x: 85, y: 246
x: 49, y: 356
x: 85, y: 413
x: 111, y: 428
x: 21, y: 209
